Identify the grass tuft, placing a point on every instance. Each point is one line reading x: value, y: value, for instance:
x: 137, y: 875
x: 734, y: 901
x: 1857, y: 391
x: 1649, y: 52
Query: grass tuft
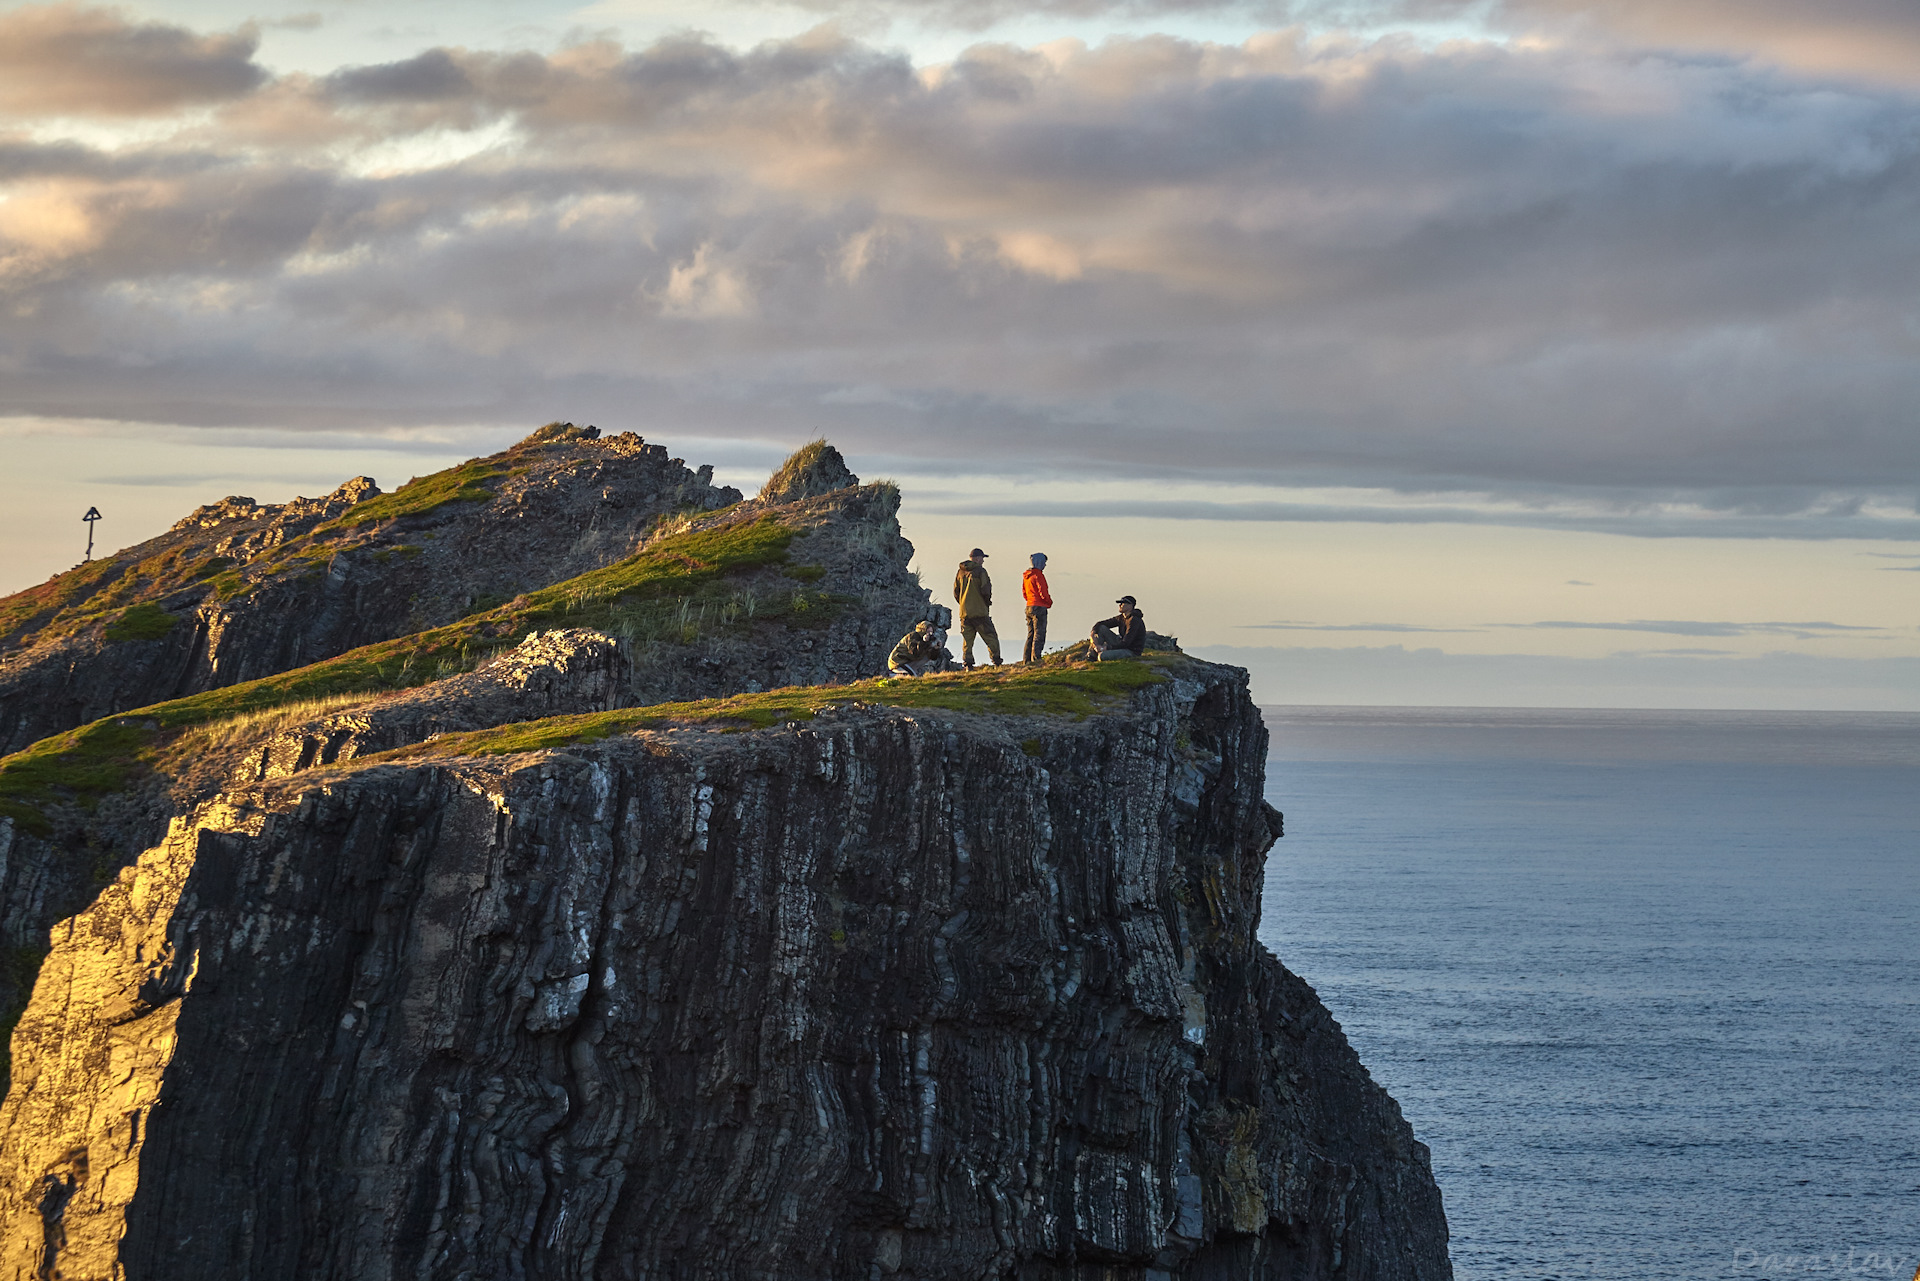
x: 814, y: 468
x: 141, y: 622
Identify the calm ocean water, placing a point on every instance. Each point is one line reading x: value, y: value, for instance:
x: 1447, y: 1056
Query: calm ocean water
x: 1645, y: 981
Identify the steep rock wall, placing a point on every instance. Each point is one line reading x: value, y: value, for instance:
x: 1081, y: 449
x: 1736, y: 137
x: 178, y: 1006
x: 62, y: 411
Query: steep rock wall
x: 885, y: 993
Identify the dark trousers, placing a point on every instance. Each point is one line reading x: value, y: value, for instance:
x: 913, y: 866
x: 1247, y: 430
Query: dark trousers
x: 1036, y: 633
x: 1106, y: 644
x: 982, y: 626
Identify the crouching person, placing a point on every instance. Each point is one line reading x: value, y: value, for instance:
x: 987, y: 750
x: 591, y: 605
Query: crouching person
x: 1122, y: 636
x: 918, y: 653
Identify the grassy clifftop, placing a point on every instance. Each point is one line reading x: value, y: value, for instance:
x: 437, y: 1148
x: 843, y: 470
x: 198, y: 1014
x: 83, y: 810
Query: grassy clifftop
x: 84, y: 764
x: 1074, y: 690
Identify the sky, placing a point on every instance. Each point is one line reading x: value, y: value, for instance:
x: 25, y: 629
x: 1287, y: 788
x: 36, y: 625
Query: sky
x: 1511, y: 352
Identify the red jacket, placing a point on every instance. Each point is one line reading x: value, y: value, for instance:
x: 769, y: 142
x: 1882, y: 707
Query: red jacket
x: 1034, y: 584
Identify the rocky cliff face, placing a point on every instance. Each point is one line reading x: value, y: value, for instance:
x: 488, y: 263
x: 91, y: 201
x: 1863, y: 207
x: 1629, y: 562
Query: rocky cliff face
x: 758, y: 596
x: 620, y: 930
x: 237, y: 591
x: 937, y: 990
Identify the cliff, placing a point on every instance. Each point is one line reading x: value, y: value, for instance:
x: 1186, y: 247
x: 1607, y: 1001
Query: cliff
x: 622, y: 929
x: 962, y: 988
x: 759, y: 595
x: 236, y: 591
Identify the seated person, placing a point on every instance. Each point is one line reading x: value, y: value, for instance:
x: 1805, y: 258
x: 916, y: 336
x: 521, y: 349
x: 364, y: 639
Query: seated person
x: 918, y: 653
x: 1122, y: 636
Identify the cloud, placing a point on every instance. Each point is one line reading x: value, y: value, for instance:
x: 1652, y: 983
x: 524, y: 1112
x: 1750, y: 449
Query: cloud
x: 1879, y: 38
x: 1672, y: 627
x: 1576, y: 582
x: 1574, y: 287
x: 1873, y: 38
x: 1687, y: 627
x: 1393, y: 675
x: 1353, y: 627
x: 70, y: 59
x: 1671, y: 653
x: 1645, y: 515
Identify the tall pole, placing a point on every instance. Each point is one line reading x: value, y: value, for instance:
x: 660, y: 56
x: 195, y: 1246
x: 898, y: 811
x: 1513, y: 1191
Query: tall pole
x: 93, y: 514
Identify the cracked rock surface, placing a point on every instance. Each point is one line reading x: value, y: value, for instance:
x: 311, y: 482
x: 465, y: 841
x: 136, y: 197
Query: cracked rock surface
x: 887, y: 993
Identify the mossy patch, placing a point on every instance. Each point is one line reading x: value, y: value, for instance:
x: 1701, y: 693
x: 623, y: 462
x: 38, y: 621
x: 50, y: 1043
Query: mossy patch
x: 78, y: 767
x: 140, y: 623
x: 1069, y: 692
x: 463, y: 484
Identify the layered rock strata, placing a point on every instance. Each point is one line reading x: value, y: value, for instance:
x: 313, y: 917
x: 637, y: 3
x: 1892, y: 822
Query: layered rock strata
x: 881, y: 993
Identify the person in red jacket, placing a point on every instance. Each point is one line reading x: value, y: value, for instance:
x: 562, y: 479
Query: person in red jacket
x: 1033, y: 584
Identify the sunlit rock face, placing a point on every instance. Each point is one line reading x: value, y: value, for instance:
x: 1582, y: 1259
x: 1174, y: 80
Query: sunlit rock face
x: 884, y: 993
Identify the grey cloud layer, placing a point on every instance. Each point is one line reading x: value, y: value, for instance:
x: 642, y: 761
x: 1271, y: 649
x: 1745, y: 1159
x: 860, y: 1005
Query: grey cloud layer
x: 1814, y: 630
x: 1487, y: 267
x: 1876, y: 38
x: 67, y: 59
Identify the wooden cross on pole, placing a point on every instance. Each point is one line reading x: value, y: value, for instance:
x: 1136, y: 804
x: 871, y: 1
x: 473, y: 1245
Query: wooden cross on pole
x: 93, y: 514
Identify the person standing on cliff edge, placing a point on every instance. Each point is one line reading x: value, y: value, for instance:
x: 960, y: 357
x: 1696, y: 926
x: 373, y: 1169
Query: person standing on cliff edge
x: 974, y: 592
x: 1033, y: 585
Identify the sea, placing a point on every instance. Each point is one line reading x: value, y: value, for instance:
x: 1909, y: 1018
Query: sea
x: 1644, y: 981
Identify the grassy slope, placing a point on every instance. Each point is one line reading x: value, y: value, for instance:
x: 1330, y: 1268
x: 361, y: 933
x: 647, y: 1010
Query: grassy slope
x: 104, y: 590
x: 1074, y: 690
x: 85, y: 764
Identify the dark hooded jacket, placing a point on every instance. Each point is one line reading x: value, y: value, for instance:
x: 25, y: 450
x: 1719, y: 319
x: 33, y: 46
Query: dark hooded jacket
x: 1133, y: 631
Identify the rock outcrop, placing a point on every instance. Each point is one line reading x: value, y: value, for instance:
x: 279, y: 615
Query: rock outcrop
x: 620, y: 930
x: 756, y: 596
x: 556, y: 673
x: 884, y: 991
x: 237, y: 591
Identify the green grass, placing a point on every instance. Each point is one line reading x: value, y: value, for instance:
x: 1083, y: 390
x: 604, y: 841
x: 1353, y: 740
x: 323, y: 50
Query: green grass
x: 83, y: 765
x: 422, y: 494
x: 140, y: 623
x: 81, y: 596
x: 78, y: 767
x: 1072, y: 692
x: 23, y: 609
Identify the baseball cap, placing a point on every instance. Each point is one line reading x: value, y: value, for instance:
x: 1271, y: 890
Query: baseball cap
x: 1126, y: 600
x: 977, y: 554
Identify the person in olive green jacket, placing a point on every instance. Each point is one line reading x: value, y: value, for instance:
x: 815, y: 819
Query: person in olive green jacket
x: 974, y: 592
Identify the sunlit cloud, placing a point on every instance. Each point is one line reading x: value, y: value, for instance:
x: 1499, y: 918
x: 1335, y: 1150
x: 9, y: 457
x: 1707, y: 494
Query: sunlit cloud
x: 74, y: 59
x: 1524, y: 283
